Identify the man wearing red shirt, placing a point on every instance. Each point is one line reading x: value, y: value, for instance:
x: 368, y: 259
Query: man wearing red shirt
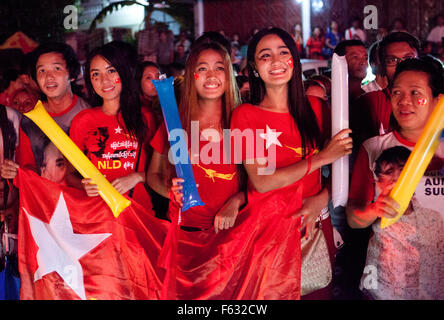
x: 393, y: 48
x: 56, y: 71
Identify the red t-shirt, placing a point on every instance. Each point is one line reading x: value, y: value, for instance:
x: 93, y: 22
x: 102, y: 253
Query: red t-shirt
x: 378, y: 104
x: 217, y: 181
x: 104, y: 140
x: 289, y: 151
x: 315, y: 46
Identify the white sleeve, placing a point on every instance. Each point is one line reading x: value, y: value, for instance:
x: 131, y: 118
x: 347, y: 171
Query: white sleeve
x: 433, y: 35
x: 15, y: 117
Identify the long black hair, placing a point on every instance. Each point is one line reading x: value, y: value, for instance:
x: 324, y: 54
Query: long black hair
x: 299, y: 107
x: 123, y: 57
x: 155, y: 105
x: 141, y: 68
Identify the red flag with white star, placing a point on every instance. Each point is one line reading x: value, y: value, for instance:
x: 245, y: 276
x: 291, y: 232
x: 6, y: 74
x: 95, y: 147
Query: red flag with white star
x: 72, y: 247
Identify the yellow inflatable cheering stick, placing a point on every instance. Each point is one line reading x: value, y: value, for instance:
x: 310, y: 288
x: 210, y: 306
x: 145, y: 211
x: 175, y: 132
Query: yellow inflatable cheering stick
x: 78, y: 159
x: 417, y: 163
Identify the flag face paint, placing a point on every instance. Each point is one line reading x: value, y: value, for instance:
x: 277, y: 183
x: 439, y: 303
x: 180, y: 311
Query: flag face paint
x: 117, y: 80
x: 196, y: 76
x: 422, y: 101
x: 290, y: 62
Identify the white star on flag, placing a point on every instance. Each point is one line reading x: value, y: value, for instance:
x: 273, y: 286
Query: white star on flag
x: 118, y: 130
x: 60, y: 248
x: 271, y: 137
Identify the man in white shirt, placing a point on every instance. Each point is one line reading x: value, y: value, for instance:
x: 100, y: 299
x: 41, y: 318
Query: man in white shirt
x: 437, y: 33
x: 355, y: 32
x: 183, y: 40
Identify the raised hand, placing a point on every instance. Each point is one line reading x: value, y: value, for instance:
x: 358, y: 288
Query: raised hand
x: 340, y: 145
x: 92, y: 190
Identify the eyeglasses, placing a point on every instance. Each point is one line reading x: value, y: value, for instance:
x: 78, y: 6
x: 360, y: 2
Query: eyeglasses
x: 394, y: 61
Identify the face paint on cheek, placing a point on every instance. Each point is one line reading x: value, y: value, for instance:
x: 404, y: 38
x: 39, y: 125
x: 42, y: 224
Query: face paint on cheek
x: 422, y: 102
x: 290, y: 62
x: 117, y: 80
x: 196, y: 76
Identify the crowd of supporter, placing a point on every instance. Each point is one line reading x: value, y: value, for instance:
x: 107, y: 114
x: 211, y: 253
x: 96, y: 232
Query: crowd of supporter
x: 117, y: 100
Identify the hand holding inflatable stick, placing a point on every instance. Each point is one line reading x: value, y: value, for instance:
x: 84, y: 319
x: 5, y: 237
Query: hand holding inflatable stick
x: 339, y: 118
x: 417, y: 163
x: 165, y: 91
x: 78, y: 159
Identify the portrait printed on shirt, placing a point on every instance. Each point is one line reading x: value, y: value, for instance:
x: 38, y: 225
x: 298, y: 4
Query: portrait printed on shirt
x: 429, y: 193
x: 111, y: 150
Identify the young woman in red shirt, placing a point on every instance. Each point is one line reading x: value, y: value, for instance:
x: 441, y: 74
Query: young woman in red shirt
x: 113, y: 133
x: 294, y: 146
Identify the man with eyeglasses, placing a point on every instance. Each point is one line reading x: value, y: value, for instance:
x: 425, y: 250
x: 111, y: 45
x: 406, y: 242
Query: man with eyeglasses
x: 393, y: 48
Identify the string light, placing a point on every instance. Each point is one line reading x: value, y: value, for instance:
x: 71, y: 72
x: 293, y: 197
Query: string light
x: 317, y: 5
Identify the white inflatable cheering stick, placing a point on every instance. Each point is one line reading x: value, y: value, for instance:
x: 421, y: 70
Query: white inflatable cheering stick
x: 340, y: 121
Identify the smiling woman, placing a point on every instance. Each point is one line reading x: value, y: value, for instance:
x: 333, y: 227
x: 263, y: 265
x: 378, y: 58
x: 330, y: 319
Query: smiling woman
x: 210, y: 75
x: 113, y: 133
x: 105, y: 81
x: 407, y: 253
x: 274, y: 62
x: 295, y: 148
x: 211, y: 95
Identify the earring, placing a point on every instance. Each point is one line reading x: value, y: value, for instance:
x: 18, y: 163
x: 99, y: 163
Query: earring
x: 256, y: 74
